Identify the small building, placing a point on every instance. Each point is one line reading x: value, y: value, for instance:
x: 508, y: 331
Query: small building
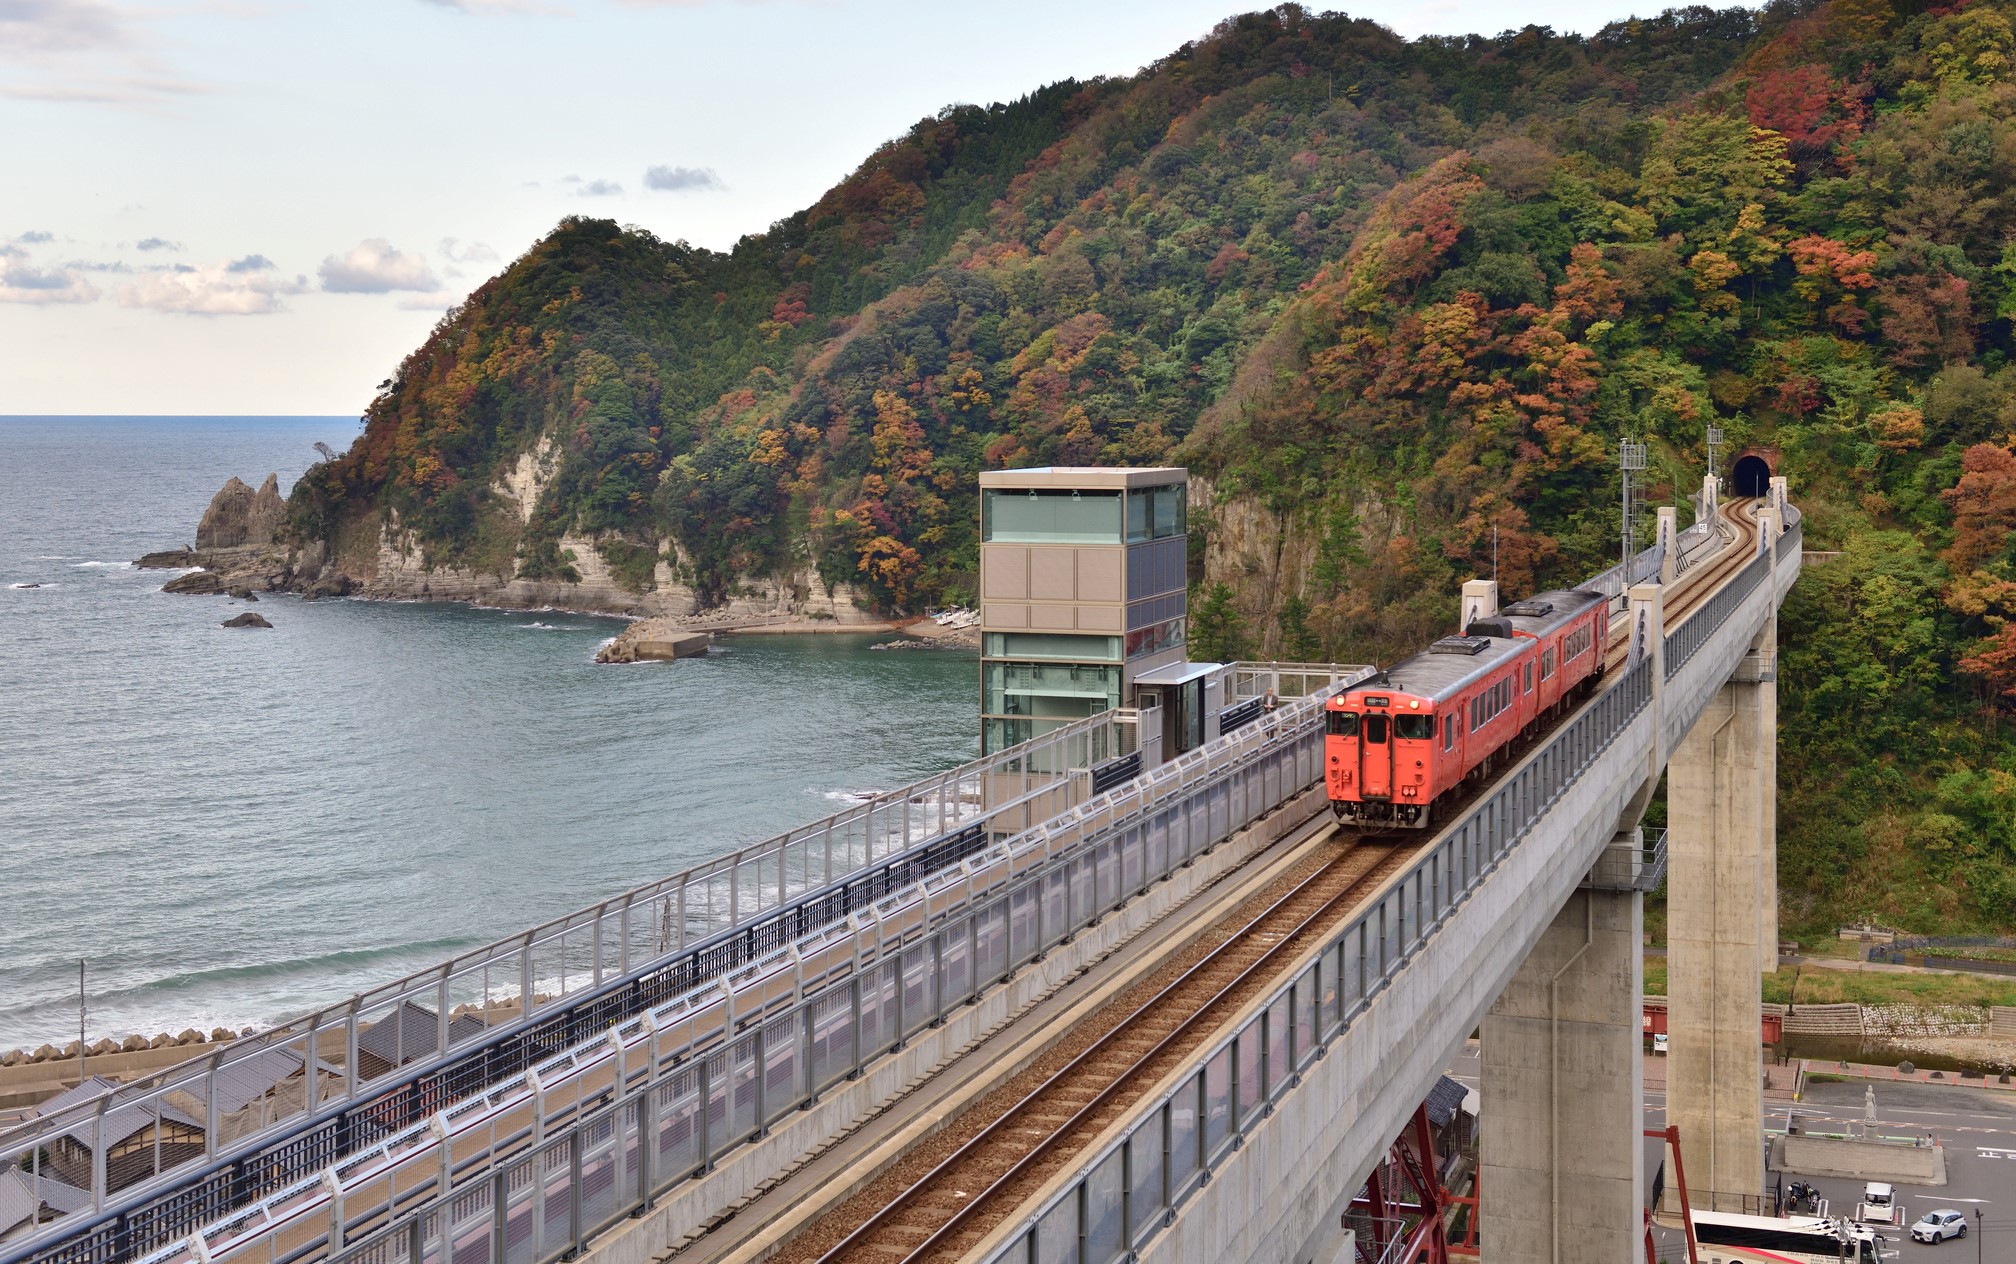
x: 141, y: 1136
x: 28, y: 1199
x: 254, y: 1091
x: 1082, y: 593
x: 407, y: 1034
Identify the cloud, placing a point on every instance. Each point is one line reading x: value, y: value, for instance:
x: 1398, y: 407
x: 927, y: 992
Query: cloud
x: 570, y: 179
x: 494, y: 6
x: 57, y: 26
x: 157, y: 243
x: 248, y: 287
x: 682, y: 179
x: 83, y: 52
x: 475, y: 252
x: 34, y: 237
x: 20, y: 283
x: 601, y: 188
x: 374, y: 267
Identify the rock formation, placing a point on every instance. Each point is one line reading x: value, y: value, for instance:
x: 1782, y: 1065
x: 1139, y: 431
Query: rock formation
x: 250, y: 619
x: 239, y: 517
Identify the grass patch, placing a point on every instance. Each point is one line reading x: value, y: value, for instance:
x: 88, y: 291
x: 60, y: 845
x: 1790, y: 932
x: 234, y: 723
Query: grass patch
x: 1832, y: 987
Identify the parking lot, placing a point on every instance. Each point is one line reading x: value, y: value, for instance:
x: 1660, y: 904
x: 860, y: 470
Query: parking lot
x: 1977, y: 1127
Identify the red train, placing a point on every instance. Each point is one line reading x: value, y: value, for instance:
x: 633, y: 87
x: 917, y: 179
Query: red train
x: 1401, y: 741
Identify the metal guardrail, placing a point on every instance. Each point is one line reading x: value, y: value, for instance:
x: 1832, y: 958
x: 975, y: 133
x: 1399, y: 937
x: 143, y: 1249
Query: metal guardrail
x: 1686, y: 640
x: 576, y: 975
x: 1636, y: 865
x: 697, y: 1080
x: 1128, y: 1191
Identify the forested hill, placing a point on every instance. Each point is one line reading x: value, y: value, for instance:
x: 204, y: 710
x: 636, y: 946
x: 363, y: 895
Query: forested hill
x: 1385, y: 298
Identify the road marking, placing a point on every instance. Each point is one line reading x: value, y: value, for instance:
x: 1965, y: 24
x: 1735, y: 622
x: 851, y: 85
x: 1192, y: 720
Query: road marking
x: 1988, y: 1153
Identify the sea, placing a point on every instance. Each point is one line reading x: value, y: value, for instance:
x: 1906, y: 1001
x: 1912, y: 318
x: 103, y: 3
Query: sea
x: 231, y: 827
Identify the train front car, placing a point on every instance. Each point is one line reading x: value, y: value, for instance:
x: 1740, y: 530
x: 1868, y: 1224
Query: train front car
x: 1398, y: 742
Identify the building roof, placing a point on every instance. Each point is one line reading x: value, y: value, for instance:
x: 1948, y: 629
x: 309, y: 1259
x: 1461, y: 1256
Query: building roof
x: 23, y: 1195
x: 130, y: 1111
x: 1180, y: 672
x: 413, y: 1031
x: 1114, y: 477
x: 1444, y: 1100
x: 246, y: 1080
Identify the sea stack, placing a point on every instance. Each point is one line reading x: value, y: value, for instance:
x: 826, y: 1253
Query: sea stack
x: 239, y: 517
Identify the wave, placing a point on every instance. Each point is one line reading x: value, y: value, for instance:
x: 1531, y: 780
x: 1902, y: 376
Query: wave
x: 848, y: 796
x: 119, y: 566
x: 31, y: 585
x: 431, y: 949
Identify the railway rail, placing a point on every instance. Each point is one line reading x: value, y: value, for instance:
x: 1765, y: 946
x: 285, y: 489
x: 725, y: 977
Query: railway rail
x: 949, y: 1209
x: 1057, y: 1111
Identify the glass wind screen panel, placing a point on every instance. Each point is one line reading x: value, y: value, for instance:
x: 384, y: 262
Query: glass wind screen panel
x: 1075, y: 649
x: 1044, y: 516
x: 1156, y: 513
x: 1050, y: 689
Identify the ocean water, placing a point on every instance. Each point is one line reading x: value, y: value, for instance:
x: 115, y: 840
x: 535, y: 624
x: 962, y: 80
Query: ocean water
x: 234, y: 826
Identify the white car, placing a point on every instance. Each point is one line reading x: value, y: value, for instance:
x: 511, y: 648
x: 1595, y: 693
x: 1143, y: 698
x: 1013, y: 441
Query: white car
x: 1937, y: 1226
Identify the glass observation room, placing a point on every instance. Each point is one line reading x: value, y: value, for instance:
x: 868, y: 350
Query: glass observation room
x: 1050, y: 515
x: 1082, y: 572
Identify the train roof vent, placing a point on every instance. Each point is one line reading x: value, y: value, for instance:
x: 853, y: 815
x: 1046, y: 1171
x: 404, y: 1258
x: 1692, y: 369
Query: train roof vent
x: 1461, y: 645
x: 1530, y: 609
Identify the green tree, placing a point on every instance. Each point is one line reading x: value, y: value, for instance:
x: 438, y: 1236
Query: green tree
x: 1217, y: 629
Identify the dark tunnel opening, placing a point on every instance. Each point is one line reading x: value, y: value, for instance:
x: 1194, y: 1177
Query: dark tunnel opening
x: 1752, y: 476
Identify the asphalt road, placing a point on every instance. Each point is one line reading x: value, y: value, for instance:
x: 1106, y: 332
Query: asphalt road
x: 1977, y: 1127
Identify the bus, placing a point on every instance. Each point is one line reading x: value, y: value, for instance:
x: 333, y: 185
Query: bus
x: 1726, y: 1238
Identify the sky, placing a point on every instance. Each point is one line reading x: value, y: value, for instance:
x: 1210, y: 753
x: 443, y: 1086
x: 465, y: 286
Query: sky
x: 261, y: 206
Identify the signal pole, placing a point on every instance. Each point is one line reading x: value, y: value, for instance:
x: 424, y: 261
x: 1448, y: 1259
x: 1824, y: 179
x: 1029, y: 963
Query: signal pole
x: 1631, y: 462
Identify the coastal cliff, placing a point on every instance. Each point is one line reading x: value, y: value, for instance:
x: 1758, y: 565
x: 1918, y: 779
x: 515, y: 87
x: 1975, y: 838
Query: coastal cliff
x: 1394, y: 303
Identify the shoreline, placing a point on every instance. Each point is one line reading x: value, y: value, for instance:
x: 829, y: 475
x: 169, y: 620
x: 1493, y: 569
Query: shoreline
x: 239, y: 571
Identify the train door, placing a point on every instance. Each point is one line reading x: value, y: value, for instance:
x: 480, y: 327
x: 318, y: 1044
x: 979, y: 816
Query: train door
x: 1375, y: 756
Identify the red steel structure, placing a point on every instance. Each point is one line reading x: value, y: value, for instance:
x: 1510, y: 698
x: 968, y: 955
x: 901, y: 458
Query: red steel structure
x: 1402, y: 1212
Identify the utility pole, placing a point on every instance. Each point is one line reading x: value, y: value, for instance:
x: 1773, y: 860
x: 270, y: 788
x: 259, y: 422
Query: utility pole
x: 1631, y: 463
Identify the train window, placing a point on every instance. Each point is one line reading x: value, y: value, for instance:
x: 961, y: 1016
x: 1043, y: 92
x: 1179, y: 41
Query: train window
x: 1413, y: 728
x: 1375, y: 729
x: 1449, y: 732
x: 1529, y: 678
x: 1547, y: 664
x: 1343, y: 724
x: 1476, y: 713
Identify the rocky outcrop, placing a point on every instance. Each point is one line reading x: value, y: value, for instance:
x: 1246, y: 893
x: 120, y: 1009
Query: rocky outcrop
x: 236, y: 554
x: 239, y: 517
x: 249, y: 619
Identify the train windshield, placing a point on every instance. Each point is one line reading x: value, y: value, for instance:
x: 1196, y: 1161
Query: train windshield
x: 1375, y: 729
x: 1343, y: 724
x: 1413, y: 728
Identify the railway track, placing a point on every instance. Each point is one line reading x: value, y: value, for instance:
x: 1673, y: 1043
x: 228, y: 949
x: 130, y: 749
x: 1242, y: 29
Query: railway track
x: 998, y: 1153
x: 938, y: 1208
x: 1696, y: 586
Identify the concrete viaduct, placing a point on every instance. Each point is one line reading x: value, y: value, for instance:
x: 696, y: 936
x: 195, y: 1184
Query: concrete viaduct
x: 1545, y: 959
x: 711, y: 1035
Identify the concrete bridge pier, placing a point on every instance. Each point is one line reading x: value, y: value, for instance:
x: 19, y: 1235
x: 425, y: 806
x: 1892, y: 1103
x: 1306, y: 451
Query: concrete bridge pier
x: 1563, y: 1169
x: 1721, y: 931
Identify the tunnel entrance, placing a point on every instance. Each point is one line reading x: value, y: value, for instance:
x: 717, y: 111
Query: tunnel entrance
x: 1752, y: 476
